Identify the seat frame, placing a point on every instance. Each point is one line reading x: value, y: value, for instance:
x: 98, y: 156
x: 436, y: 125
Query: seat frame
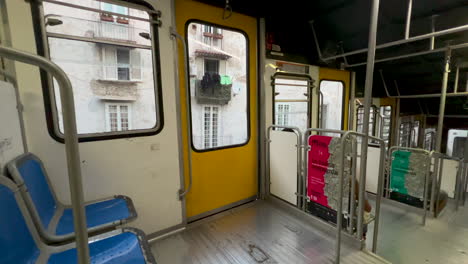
x: 48, y: 233
x: 46, y: 251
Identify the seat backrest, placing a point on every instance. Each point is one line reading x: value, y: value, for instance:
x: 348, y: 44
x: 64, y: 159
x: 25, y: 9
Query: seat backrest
x: 28, y: 169
x: 17, y: 244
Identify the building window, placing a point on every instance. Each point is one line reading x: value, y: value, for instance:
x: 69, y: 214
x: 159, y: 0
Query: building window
x: 114, y: 8
x: 282, y: 116
x: 106, y: 59
x: 210, y: 126
x: 212, y: 36
x: 121, y: 64
x: 211, y: 66
x: 118, y: 117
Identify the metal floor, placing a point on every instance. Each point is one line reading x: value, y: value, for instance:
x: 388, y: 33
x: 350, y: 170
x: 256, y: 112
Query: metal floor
x: 258, y: 232
x: 402, y: 238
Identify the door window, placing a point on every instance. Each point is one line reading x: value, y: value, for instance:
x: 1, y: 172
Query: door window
x: 219, y: 87
x: 332, y: 95
x: 291, y: 102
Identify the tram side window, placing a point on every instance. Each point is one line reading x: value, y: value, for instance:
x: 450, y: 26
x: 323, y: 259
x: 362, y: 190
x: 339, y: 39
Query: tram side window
x: 291, y: 102
x: 360, y: 121
x: 409, y: 134
x: 456, y: 142
x: 218, y: 86
x: 386, y: 124
x: 112, y: 65
x: 332, y: 93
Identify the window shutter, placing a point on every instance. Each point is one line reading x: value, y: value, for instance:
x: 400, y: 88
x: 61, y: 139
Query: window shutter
x: 135, y: 64
x: 109, y: 63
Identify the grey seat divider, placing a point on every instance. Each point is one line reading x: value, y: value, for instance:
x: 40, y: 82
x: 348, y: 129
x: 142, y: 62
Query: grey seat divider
x: 30, y: 175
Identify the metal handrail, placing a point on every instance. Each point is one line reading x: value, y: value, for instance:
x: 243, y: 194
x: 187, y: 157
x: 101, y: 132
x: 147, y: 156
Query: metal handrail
x: 380, y: 183
x: 426, y: 185
x: 71, y: 142
x: 184, y: 191
x: 298, y: 133
x: 344, y: 137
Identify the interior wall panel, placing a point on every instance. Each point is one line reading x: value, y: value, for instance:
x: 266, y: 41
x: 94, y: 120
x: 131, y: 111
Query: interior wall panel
x: 144, y: 168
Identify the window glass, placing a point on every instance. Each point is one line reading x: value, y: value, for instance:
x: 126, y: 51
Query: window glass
x: 110, y: 67
x: 332, y: 99
x: 360, y: 121
x: 386, y: 124
x: 456, y: 142
x: 291, y: 102
x: 218, y: 87
x: 429, y: 139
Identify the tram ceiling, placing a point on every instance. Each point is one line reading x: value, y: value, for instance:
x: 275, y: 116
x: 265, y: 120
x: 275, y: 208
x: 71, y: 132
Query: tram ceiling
x: 342, y: 26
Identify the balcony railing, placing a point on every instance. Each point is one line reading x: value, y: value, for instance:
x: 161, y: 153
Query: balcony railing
x: 114, y: 31
x: 121, y: 73
x: 212, y: 92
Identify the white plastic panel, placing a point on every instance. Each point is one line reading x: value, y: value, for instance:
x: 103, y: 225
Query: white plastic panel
x: 449, y: 177
x: 283, y: 165
x: 11, y: 144
x: 372, y: 170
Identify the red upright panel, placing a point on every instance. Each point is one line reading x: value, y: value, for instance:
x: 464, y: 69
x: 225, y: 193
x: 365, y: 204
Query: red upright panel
x: 317, y: 168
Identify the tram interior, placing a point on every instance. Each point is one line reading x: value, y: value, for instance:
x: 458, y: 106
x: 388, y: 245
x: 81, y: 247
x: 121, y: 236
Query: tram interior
x: 233, y: 131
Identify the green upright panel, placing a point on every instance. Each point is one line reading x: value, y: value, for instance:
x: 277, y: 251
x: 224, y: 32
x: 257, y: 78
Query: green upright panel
x: 408, y: 172
x: 399, y: 171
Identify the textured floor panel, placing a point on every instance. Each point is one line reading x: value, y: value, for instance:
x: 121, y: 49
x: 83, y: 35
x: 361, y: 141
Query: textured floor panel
x: 402, y: 238
x: 260, y: 233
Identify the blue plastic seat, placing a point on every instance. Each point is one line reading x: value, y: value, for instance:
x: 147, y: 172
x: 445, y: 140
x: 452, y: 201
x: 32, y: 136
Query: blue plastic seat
x: 53, y: 219
x: 20, y: 242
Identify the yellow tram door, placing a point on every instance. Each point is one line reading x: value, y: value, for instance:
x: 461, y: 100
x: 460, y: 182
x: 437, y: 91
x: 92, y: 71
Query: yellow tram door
x: 223, y: 107
x: 334, y: 87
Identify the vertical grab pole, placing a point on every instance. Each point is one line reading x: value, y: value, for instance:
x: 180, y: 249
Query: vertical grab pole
x: 300, y: 175
x: 353, y: 186
x: 320, y: 108
x: 378, y: 200
x: 439, y: 179
x: 339, y: 215
x: 367, y: 104
x: 426, y: 188
x: 261, y: 109
x: 71, y: 143
x: 305, y: 146
x: 352, y: 106
x: 408, y: 19
x: 440, y: 123
x: 434, y: 179
x: 459, y: 184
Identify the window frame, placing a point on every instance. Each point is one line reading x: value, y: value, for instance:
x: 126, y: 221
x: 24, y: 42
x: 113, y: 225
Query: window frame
x: 50, y: 104
x: 304, y: 77
x: 119, y: 118
x: 343, y: 102
x: 248, y: 86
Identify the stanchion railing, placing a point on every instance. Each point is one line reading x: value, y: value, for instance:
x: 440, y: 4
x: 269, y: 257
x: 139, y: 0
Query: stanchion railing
x: 71, y: 142
x: 437, y: 177
x: 346, y: 137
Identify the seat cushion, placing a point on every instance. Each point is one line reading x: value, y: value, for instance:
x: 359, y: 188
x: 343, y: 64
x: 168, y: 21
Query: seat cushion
x: 124, y: 248
x: 97, y: 214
